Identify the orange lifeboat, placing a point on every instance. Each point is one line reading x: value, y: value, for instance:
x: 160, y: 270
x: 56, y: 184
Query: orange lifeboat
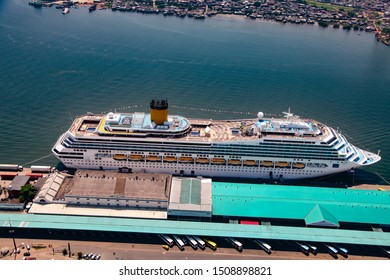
x: 153, y: 158
x: 218, y: 161
x: 202, y: 160
x: 136, y: 157
x: 169, y: 159
x: 186, y: 159
x: 298, y: 165
x: 120, y: 157
x: 282, y: 164
x: 267, y: 163
x: 234, y: 162
x: 250, y: 162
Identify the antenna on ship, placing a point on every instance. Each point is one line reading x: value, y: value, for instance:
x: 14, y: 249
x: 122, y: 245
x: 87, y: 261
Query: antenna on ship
x: 289, y: 115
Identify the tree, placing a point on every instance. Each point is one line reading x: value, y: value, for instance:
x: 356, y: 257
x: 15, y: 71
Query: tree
x: 64, y: 252
x: 79, y: 255
x: 27, y: 193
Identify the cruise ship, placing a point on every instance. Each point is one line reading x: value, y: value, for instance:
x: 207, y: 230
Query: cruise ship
x: 268, y: 148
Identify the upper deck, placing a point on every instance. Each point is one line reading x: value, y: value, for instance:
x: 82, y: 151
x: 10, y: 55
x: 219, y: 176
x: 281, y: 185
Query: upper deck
x: 139, y: 125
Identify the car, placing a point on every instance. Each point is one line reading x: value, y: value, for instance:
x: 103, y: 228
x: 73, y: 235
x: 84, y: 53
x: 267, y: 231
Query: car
x: 28, y: 247
x: 5, y: 252
x: 98, y: 257
x: 26, y: 254
x: 84, y: 256
x: 381, y: 189
x: 166, y: 247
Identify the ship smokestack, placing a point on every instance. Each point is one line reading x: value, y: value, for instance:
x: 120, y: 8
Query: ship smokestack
x: 159, y: 111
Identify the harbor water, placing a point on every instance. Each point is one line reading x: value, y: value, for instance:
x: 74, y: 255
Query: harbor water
x: 54, y: 67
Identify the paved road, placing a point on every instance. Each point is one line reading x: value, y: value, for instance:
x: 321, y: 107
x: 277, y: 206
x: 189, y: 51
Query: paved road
x: 46, y: 249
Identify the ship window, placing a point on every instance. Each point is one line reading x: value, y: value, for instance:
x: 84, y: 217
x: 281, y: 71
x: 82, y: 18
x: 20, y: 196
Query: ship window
x: 335, y: 165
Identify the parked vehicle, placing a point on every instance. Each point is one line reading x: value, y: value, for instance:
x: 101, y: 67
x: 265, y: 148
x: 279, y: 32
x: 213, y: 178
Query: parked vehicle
x: 166, y: 239
x: 235, y: 243
x: 192, y: 242
x: 201, y: 243
x: 179, y: 242
x: 263, y: 245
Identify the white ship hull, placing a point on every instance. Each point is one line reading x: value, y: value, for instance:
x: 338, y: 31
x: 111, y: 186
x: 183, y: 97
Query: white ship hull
x: 209, y: 170
x: 275, y: 149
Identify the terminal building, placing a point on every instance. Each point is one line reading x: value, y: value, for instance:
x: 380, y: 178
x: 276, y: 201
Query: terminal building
x: 163, y: 204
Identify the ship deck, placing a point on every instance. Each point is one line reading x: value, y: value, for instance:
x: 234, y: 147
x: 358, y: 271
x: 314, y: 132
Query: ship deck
x: 203, y: 130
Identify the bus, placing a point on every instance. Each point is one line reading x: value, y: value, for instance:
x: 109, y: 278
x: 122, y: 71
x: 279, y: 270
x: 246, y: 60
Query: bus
x: 200, y: 242
x: 332, y: 251
x: 209, y: 243
x: 342, y: 251
x: 263, y: 245
x: 387, y: 251
x: 192, y: 242
x: 235, y: 243
x: 303, y: 248
x: 166, y: 239
x: 179, y: 243
x: 312, y: 249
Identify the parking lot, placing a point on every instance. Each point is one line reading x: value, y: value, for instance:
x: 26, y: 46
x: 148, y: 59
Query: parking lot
x: 50, y: 244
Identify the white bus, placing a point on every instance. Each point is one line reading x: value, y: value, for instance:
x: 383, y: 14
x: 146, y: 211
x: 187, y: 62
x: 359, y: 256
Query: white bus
x: 387, y: 251
x: 179, y: 243
x: 303, y: 248
x: 236, y: 244
x: 201, y: 243
x: 312, y: 249
x: 342, y: 251
x: 263, y: 245
x: 332, y: 251
x: 166, y: 239
x: 192, y: 242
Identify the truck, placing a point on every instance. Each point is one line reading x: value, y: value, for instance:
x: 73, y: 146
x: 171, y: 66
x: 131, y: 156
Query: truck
x: 11, y: 167
x: 41, y: 169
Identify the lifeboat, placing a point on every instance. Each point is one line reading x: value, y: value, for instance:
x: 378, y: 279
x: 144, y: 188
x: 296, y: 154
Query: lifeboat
x: 186, y: 159
x: 250, y: 162
x: 202, y: 160
x: 298, y: 165
x: 281, y: 164
x: 120, y: 157
x: 169, y: 159
x: 136, y: 157
x: 218, y: 161
x: 153, y: 158
x: 234, y: 162
x: 267, y: 163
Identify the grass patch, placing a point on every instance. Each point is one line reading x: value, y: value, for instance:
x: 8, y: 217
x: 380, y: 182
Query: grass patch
x: 328, y: 7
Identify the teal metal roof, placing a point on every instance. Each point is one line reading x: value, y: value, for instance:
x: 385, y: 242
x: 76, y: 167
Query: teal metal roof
x: 297, y: 202
x: 194, y: 228
x: 320, y: 217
